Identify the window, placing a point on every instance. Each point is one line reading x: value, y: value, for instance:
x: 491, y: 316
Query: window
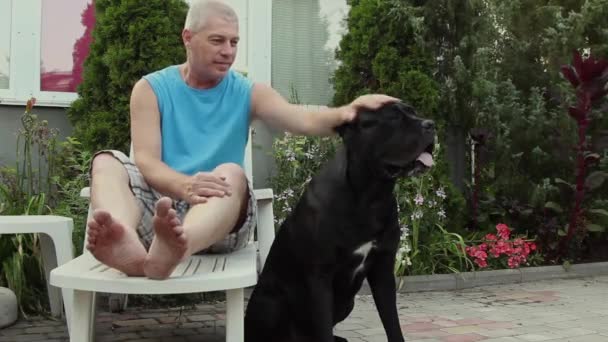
x: 5, y: 43
x: 64, y: 43
x: 46, y: 47
x: 305, y: 35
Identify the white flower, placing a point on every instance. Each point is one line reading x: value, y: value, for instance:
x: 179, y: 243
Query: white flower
x: 419, y: 199
x: 441, y: 213
x: 441, y: 193
x: 287, y: 193
x: 417, y: 215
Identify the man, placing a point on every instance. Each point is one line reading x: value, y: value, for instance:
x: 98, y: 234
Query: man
x: 187, y: 192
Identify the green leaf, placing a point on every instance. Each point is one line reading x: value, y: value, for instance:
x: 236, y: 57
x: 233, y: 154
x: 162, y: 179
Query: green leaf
x: 592, y: 227
x: 562, y: 232
x: 599, y: 212
x: 563, y: 182
x: 595, y: 179
x: 554, y: 206
x: 527, y: 212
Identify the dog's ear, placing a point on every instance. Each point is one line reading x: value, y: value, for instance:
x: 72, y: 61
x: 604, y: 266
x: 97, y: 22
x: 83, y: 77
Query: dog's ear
x: 346, y: 127
x: 341, y: 130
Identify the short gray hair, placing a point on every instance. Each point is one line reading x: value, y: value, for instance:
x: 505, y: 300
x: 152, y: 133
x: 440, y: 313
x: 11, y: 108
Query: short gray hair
x: 201, y: 10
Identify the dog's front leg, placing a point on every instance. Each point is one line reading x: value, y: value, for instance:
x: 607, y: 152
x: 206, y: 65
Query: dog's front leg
x: 316, y: 311
x: 382, y: 284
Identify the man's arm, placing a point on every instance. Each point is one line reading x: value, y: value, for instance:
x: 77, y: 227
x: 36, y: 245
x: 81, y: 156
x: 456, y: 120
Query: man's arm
x: 269, y: 106
x: 146, y: 139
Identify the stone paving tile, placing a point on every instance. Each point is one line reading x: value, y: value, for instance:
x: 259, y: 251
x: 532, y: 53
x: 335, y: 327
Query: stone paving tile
x: 568, y: 310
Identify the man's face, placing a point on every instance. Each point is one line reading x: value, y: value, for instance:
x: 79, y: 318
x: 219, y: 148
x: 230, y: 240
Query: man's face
x: 213, y: 49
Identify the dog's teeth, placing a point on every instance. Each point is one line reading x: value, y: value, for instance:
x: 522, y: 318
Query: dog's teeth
x: 426, y: 159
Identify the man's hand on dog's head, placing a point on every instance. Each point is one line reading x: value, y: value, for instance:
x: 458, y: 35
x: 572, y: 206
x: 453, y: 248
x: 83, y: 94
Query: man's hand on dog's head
x: 370, y: 101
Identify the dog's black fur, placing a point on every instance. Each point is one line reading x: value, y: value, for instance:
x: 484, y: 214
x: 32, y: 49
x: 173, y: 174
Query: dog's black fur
x: 313, y: 270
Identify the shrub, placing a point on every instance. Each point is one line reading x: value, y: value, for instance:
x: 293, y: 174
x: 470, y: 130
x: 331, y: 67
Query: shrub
x: 130, y: 39
x: 46, y: 180
x: 430, y: 214
x: 383, y: 52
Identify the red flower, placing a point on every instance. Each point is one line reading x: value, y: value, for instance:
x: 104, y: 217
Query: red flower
x: 493, y: 247
x: 481, y: 263
x: 513, y: 262
x: 503, y: 231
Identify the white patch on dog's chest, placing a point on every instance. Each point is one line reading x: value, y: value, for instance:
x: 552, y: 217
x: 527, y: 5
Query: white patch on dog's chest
x: 363, y: 251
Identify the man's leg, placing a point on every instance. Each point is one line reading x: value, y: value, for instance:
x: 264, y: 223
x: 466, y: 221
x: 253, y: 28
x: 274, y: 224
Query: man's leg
x: 204, y: 224
x: 112, y: 238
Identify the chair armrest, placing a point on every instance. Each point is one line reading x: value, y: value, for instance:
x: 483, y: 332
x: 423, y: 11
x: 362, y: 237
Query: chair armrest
x: 265, y: 224
x: 85, y: 192
x: 263, y: 194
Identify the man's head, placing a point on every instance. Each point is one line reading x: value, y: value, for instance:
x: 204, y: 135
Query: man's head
x: 393, y: 140
x: 210, y: 35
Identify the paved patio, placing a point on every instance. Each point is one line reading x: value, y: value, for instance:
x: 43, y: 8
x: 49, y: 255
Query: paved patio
x: 556, y: 310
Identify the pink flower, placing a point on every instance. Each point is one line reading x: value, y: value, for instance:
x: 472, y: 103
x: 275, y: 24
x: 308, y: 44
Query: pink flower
x: 503, y: 231
x: 495, y: 246
x: 481, y: 255
x: 481, y: 263
x: 513, y: 262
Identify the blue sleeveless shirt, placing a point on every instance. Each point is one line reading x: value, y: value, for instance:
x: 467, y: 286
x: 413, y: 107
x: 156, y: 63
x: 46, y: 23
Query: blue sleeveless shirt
x: 202, y: 128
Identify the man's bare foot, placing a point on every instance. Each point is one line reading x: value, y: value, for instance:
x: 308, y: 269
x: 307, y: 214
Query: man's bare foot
x: 114, y: 245
x: 169, y: 245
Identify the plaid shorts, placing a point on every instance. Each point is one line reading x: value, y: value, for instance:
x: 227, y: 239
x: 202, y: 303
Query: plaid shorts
x: 147, y: 197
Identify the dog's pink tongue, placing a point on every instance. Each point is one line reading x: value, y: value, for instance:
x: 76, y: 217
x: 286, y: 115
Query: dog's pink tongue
x: 426, y: 159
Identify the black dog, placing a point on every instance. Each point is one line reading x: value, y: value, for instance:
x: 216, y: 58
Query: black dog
x: 344, y: 229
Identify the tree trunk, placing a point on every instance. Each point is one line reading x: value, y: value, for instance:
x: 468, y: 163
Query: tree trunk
x: 456, y: 155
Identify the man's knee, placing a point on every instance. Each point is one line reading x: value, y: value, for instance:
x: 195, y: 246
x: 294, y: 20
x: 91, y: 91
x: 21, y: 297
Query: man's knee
x: 106, y: 164
x: 234, y: 174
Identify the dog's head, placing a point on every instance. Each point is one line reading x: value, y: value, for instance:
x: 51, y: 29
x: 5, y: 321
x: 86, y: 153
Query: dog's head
x: 393, y: 139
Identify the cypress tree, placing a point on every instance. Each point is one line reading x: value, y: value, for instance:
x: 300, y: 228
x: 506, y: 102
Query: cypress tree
x: 130, y: 39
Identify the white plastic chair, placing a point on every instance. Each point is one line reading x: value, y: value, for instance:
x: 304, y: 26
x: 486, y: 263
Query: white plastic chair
x: 55, y: 246
x: 200, y: 273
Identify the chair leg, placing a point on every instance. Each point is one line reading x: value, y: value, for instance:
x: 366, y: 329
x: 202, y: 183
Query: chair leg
x: 83, y: 317
x: 48, y: 251
x: 235, y: 315
x: 65, y: 253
